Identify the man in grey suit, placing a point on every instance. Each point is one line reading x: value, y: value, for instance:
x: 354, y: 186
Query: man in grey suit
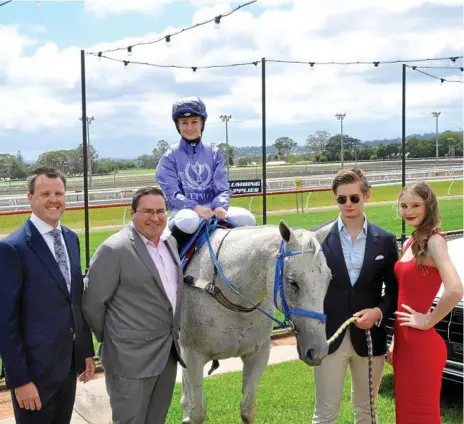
x: 132, y: 303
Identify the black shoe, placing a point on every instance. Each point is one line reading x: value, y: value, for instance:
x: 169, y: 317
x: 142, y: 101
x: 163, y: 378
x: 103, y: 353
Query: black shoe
x: 225, y: 224
x: 181, y: 237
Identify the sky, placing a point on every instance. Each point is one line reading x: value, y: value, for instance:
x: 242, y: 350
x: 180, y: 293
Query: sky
x: 40, y: 70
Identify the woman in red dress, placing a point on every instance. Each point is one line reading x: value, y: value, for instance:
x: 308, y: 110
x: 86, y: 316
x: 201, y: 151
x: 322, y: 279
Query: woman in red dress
x: 418, y: 353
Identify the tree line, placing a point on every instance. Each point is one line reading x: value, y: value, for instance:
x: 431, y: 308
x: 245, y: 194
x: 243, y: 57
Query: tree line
x: 319, y: 147
x: 323, y: 147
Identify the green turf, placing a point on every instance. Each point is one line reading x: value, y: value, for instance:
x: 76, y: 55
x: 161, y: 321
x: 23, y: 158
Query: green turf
x: 384, y: 216
x: 286, y: 394
x: 325, y: 198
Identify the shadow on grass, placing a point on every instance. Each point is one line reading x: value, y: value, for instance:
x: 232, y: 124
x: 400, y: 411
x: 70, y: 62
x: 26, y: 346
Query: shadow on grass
x: 451, y: 397
x: 387, y: 388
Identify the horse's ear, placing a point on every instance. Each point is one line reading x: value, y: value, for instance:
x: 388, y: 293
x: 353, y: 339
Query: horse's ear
x: 322, y: 233
x: 285, y: 231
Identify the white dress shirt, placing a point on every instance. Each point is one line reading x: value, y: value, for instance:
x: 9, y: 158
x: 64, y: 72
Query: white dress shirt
x: 44, y: 229
x: 353, y: 252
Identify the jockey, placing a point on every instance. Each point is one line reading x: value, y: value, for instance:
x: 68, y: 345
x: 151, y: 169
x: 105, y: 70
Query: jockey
x: 193, y: 176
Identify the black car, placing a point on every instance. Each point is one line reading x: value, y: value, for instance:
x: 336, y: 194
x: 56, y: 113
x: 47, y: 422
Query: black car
x: 450, y: 328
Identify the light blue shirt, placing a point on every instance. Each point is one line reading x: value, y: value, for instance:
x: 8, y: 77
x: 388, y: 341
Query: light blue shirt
x: 353, y: 251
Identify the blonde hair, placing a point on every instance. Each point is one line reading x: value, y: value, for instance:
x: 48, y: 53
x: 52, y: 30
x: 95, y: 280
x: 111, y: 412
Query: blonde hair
x: 350, y: 176
x: 430, y: 224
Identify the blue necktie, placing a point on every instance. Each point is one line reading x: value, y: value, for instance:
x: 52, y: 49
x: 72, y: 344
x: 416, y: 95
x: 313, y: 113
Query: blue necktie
x: 60, y: 253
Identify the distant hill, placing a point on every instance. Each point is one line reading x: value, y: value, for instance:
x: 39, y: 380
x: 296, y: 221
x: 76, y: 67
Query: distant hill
x: 426, y: 136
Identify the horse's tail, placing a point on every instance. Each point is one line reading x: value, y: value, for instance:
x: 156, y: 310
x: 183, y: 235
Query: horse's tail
x: 214, y: 366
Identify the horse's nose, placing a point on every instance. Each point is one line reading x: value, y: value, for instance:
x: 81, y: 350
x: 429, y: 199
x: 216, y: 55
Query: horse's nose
x: 311, y: 354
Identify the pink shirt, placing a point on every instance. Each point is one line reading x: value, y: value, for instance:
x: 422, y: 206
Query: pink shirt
x: 165, y: 265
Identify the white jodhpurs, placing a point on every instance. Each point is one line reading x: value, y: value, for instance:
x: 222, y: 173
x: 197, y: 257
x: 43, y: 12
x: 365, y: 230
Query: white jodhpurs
x: 187, y: 220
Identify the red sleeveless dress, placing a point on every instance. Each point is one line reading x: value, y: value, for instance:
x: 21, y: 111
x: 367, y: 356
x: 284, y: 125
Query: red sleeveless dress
x: 419, y: 356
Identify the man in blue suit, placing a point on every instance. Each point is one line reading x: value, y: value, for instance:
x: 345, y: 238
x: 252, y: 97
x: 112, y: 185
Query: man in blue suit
x: 361, y: 257
x: 44, y: 341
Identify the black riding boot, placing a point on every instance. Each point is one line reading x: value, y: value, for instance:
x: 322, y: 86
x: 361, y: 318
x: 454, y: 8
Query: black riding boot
x: 181, y: 237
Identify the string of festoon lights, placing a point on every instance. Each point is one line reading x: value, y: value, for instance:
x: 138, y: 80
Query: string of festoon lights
x: 441, y: 79
x: 375, y: 63
x: 167, y: 38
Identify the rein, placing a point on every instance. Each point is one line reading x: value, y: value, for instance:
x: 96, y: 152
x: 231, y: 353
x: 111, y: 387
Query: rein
x: 278, y: 283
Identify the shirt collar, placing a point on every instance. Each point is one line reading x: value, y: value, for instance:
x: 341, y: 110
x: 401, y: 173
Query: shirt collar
x: 163, y: 237
x: 42, y: 226
x: 341, y: 225
x: 185, y: 145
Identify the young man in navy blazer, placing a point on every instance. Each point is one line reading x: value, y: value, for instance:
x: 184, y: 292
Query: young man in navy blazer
x: 44, y: 341
x: 361, y: 257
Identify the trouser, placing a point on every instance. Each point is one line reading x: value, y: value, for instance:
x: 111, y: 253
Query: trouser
x: 57, y: 403
x: 187, y: 220
x: 142, y: 400
x: 330, y: 378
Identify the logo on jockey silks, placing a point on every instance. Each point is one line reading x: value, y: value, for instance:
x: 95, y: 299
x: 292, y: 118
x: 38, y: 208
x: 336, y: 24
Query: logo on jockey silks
x: 197, y: 176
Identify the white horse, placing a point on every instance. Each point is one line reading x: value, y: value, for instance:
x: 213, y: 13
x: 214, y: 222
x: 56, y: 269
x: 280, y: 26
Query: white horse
x: 210, y: 331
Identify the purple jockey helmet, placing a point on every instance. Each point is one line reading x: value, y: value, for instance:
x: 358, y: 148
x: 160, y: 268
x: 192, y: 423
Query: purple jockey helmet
x: 189, y: 106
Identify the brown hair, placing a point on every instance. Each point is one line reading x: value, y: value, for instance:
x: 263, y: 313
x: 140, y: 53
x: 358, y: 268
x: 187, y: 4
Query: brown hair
x: 49, y: 172
x: 145, y: 191
x: 350, y: 176
x: 430, y: 224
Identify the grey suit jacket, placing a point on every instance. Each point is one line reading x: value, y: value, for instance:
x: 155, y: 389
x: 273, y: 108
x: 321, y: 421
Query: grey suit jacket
x: 126, y: 306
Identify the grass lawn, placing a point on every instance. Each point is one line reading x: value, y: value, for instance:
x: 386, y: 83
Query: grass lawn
x: 286, y: 394
x: 384, y: 216
x: 114, y: 216
x: 325, y: 198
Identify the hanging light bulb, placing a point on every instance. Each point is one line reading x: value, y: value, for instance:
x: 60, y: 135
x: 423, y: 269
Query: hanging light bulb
x: 99, y: 56
x: 217, y: 21
x: 126, y: 62
x: 129, y: 51
x: 167, y: 41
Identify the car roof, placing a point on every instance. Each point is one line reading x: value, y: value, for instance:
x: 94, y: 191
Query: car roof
x: 456, y: 253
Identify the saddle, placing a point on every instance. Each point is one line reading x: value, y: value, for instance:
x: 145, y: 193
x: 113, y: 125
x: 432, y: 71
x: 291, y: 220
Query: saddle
x: 196, y: 242
x: 198, y: 239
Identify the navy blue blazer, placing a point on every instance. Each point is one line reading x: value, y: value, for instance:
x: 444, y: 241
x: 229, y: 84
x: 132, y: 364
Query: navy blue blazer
x: 343, y: 299
x: 42, y: 329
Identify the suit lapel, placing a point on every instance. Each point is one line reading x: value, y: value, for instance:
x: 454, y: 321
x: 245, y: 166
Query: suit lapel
x: 370, y: 252
x: 36, y: 242
x: 335, y: 246
x: 144, y: 255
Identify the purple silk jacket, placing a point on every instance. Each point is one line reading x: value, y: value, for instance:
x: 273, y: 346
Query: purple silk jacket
x: 192, y: 176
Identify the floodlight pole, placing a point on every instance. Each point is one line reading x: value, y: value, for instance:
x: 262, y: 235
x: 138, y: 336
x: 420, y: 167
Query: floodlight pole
x: 341, y: 117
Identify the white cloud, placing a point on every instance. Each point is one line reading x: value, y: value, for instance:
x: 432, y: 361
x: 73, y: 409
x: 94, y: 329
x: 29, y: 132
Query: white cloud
x: 39, y: 86
x: 103, y: 8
